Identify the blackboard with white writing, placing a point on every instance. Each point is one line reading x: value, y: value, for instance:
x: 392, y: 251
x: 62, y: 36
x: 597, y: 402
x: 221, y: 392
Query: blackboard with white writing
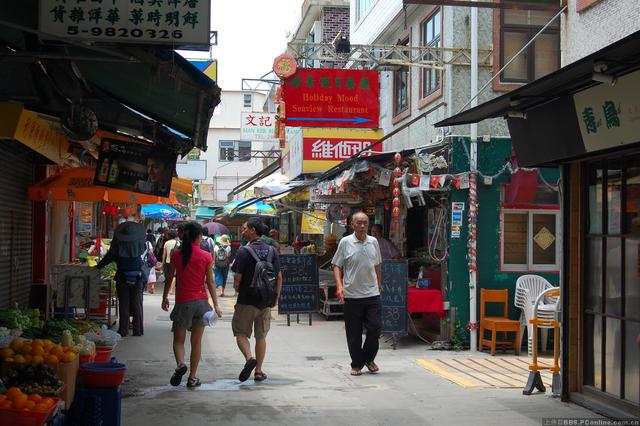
x: 394, y: 296
x: 299, y: 293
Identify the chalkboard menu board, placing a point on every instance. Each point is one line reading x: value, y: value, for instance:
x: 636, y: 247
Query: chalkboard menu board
x: 299, y: 284
x: 394, y: 296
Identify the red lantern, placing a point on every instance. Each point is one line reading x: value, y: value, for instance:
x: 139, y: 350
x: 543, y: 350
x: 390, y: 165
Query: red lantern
x: 395, y: 212
x: 397, y: 172
x: 396, y: 202
x: 396, y: 192
x: 397, y: 158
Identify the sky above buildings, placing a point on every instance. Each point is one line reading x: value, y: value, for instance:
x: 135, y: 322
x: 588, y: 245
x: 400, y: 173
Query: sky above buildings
x: 251, y: 33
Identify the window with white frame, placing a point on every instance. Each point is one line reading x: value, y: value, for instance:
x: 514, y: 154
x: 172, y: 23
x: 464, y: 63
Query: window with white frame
x: 235, y: 150
x: 362, y: 7
x: 401, y: 87
x: 530, y: 240
x: 431, y: 29
x: 248, y: 100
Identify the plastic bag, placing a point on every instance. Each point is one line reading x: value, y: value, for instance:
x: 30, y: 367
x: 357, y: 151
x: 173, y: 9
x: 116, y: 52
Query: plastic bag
x: 104, y: 337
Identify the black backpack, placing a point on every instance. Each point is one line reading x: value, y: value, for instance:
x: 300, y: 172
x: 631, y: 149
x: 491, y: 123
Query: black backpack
x: 205, y: 244
x: 262, y: 289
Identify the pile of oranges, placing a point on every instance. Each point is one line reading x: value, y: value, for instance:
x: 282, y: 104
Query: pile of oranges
x: 37, y: 351
x: 15, y: 399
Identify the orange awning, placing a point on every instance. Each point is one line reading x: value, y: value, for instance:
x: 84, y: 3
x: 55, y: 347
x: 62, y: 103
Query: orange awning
x: 182, y: 185
x: 76, y: 184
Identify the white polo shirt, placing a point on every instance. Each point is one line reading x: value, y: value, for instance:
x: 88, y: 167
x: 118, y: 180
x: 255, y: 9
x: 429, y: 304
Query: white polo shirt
x: 358, y: 259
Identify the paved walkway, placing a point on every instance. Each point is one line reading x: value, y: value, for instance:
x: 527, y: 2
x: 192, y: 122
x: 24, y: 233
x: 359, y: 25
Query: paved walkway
x: 309, y: 382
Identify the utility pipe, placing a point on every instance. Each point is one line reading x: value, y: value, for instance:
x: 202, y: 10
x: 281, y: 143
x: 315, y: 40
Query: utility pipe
x: 473, y: 189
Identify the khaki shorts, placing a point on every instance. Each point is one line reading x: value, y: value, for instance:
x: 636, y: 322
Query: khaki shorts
x: 248, y: 317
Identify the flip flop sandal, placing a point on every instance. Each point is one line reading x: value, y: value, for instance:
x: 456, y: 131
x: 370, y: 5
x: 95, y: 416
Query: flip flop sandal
x: 372, y: 367
x: 258, y: 377
x: 177, y: 375
x: 355, y: 372
x: 247, y: 369
x: 193, y: 382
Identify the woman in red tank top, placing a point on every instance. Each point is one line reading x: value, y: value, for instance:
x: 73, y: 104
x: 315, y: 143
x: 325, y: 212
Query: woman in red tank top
x: 192, y: 267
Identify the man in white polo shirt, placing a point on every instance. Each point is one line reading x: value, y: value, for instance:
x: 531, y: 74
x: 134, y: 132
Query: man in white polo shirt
x: 356, y: 268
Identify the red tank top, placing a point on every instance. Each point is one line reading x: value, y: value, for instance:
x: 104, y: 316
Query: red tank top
x: 192, y: 279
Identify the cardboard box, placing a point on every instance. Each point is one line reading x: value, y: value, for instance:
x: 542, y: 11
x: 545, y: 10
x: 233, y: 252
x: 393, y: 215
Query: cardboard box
x: 67, y: 372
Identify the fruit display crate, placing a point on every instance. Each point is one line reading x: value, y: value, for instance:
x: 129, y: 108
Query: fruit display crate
x: 20, y: 417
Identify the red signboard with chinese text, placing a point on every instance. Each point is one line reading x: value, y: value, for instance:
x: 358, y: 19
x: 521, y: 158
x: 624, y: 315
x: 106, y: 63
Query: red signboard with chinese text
x: 327, y: 97
x: 324, y: 148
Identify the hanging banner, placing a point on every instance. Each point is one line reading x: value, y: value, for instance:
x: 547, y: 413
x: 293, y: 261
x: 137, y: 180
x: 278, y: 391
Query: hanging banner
x: 325, y: 148
x: 332, y: 97
x: 313, y: 222
x: 136, y: 167
x: 164, y: 22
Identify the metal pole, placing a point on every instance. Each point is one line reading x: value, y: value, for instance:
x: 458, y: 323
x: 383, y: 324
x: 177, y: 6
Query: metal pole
x: 473, y: 184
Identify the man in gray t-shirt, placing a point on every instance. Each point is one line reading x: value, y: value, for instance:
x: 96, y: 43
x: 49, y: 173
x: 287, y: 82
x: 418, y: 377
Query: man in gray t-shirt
x: 356, y: 267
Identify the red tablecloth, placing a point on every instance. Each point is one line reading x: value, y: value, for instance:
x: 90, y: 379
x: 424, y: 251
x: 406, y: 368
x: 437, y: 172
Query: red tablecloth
x: 424, y: 300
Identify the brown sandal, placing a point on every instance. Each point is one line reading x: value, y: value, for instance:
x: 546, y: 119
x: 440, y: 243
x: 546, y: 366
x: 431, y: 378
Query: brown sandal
x: 259, y: 376
x: 356, y: 372
x: 372, y: 367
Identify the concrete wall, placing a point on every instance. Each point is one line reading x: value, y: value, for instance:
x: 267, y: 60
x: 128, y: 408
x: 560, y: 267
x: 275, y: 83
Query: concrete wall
x: 591, y: 29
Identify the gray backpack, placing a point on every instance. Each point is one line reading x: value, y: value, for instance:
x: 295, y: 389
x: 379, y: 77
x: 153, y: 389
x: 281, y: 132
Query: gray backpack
x: 262, y: 289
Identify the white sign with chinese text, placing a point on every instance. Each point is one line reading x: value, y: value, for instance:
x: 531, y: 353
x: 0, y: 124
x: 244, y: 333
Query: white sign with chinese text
x: 257, y: 126
x: 168, y: 22
x: 294, y: 145
x: 609, y: 116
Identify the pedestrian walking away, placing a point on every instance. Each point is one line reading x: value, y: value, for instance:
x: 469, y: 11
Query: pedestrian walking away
x: 221, y: 255
x: 127, y: 249
x: 193, y: 267
x: 356, y: 268
x: 259, y: 281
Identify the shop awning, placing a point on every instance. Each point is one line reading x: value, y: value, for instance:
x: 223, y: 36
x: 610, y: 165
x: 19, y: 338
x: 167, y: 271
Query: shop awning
x: 542, y: 116
x: 270, y: 169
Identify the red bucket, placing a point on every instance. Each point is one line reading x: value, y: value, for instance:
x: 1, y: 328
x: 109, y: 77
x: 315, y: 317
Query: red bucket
x: 103, y: 353
x: 87, y: 358
x: 103, y: 374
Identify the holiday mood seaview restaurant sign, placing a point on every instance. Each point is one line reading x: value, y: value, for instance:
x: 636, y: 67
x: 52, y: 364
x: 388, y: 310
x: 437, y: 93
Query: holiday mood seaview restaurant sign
x: 181, y: 22
x: 327, y: 97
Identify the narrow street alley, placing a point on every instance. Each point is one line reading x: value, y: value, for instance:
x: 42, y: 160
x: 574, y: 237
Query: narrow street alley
x: 309, y: 382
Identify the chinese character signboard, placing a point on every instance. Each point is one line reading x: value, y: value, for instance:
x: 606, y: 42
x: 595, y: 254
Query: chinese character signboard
x: 609, y: 116
x: 257, y: 126
x: 325, y: 148
x: 292, y: 153
x: 313, y: 222
x: 135, y: 167
x: 327, y: 97
x: 167, y: 22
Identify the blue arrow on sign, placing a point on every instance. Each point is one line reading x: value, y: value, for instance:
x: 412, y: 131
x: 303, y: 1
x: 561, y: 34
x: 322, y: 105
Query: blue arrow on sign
x: 354, y: 120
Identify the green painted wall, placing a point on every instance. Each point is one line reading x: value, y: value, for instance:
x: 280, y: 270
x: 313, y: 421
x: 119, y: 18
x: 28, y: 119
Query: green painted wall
x: 491, y: 158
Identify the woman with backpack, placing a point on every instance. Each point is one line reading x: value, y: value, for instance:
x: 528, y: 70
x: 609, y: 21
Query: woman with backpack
x: 221, y: 254
x: 192, y: 266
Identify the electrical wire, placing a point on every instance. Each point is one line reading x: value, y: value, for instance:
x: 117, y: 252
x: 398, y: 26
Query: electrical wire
x: 438, y: 238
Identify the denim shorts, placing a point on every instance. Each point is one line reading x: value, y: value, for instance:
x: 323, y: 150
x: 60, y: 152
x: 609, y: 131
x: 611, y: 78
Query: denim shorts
x: 188, y: 314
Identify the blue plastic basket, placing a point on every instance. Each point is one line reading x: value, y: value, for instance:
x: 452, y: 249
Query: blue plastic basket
x: 96, y: 407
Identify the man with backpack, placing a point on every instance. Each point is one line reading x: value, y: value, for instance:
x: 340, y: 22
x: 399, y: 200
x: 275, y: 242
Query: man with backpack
x: 259, y: 281
x: 221, y: 254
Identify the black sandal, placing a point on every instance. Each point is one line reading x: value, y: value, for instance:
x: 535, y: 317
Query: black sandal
x: 247, y: 369
x: 176, y: 378
x: 193, y: 382
x: 258, y: 377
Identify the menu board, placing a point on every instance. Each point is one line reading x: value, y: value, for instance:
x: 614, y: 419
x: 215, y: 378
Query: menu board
x: 394, y: 296
x: 299, y: 293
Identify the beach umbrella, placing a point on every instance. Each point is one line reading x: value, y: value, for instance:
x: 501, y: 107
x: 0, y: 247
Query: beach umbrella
x: 216, y: 228
x: 258, y: 208
x: 160, y: 211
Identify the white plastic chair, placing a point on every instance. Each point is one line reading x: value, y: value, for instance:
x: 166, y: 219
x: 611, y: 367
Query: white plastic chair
x: 528, y: 288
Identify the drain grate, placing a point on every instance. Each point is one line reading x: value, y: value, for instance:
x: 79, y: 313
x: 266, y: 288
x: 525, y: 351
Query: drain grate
x: 314, y: 358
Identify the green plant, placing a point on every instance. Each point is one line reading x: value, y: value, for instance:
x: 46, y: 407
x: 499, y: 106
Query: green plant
x: 457, y: 340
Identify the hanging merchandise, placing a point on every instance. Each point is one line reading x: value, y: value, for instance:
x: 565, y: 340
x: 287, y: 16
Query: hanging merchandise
x: 395, y: 212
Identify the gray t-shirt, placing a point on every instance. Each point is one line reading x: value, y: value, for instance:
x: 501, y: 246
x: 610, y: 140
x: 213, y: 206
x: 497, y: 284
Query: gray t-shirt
x: 358, y: 259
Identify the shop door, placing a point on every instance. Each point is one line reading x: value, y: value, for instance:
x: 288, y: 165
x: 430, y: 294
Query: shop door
x: 612, y: 280
x: 16, y: 176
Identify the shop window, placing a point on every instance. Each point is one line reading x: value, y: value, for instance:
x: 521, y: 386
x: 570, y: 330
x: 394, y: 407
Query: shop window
x: 248, y: 100
x: 235, y: 150
x: 517, y: 27
x: 401, y: 88
x: 530, y: 240
x: 431, y: 29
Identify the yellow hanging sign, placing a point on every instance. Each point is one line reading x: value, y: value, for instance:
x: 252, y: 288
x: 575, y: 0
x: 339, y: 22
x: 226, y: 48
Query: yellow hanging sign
x: 313, y: 222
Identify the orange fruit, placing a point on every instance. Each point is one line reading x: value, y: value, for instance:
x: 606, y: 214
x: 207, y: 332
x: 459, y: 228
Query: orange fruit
x: 28, y: 358
x: 6, y: 353
x: 68, y: 357
x: 35, y: 397
x: 6, y: 404
x: 12, y: 392
x: 52, y: 359
x: 16, y: 345
x: 56, y: 350
x: 26, y: 349
x: 3, y: 397
x: 47, y: 401
x: 30, y: 405
x: 20, y: 401
x: 37, y: 350
x: 37, y: 359
x: 19, y: 359
x: 41, y: 407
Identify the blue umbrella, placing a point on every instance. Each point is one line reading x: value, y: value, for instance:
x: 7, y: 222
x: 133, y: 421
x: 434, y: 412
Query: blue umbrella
x: 247, y: 208
x: 160, y: 211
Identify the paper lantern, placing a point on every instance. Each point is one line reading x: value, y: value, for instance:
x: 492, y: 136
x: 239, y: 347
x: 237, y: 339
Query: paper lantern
x: 397, y: 172
x: 396, y: 192
x: 395, y: 212
x: 397, y: 157
x: 396, y: 202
